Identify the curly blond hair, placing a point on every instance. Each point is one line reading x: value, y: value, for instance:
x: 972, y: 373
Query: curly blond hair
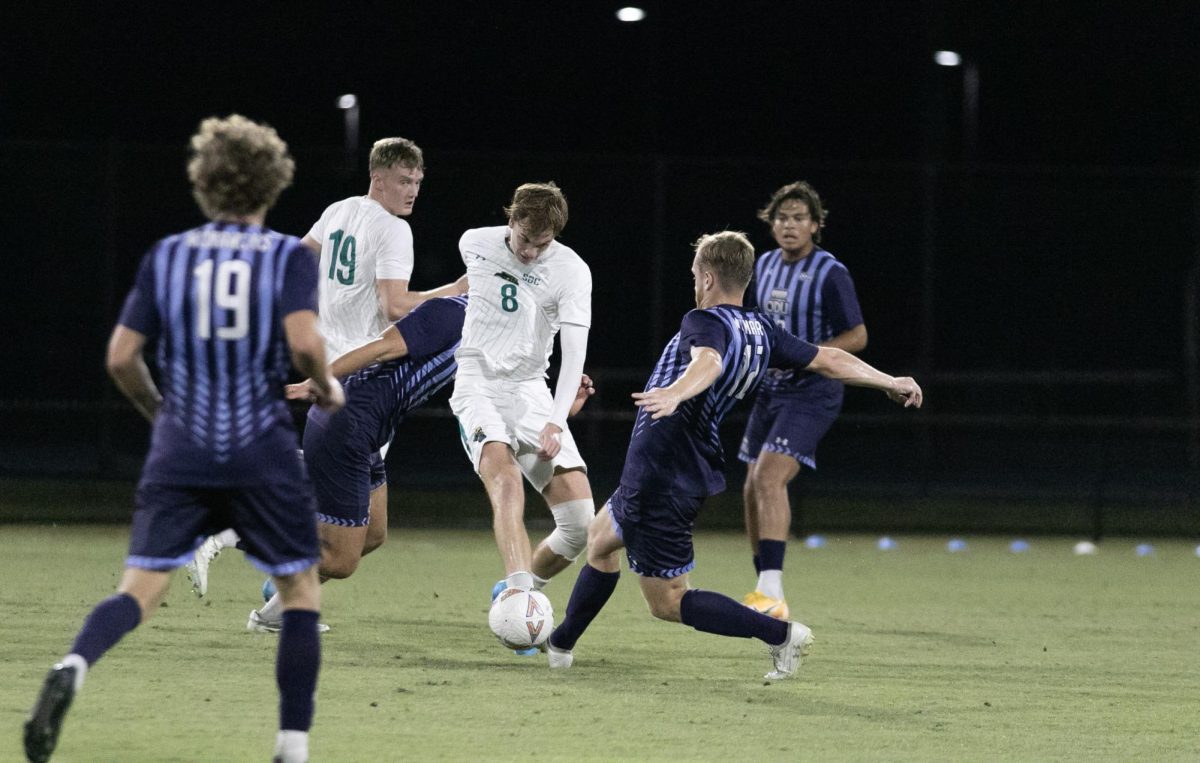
x: 388, y: 152
x: 541, y: 207
x: 237, y: 167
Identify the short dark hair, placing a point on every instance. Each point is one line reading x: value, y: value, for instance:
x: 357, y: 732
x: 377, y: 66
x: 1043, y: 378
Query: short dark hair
x: 539, y: 207
x: 237, y: 166
x: 800, y: 191
x: 729, y: 255
x: 388, y: 152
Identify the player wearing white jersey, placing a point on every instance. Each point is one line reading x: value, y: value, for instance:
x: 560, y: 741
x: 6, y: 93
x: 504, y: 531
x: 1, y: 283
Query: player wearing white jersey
x: 525, y: 288
x: 366, y: 263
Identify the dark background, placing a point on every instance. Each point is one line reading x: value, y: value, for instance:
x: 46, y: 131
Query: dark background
x: 1036, y: 279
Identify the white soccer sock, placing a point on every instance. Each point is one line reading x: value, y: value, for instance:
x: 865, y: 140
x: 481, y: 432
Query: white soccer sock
x: 520, y: 579
x: 273, y: 609
x: 227, y: 538
x: 73, y: 660
x: 291, y: 746
x: 770, y: 582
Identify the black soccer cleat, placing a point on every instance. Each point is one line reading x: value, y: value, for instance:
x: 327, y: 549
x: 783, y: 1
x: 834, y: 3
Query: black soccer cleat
x: 45, y: 720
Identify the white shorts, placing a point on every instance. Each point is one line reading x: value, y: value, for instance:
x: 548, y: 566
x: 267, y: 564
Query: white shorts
x: 514, y: 413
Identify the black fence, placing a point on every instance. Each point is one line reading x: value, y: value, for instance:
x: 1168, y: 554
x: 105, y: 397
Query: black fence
x: 1049, y: 312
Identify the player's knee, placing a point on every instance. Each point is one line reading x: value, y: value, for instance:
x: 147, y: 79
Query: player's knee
x: 665, y: 608
x: 338, y: 566
x: 376, y: 537
x: 571, y: 522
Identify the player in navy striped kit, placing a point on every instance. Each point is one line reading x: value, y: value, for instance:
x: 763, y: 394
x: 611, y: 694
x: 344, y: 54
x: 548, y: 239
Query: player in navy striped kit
x: 807, y: 292
x: 227, y: 302
x: 675, y: 459
x: 384, y: 380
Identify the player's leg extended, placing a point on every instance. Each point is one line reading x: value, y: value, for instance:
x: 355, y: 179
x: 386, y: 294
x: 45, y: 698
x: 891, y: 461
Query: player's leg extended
x: 569, y: 496
x: 298, y: 662
x: 769, y: 477
x: 137, y: 598
x: 502, y: 480
x: 595, y: 584
x: 750, y: 515
x: 377, y: 527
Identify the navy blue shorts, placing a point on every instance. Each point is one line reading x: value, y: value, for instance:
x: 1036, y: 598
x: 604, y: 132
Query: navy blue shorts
x: 656, y: 529
x: 277, y: 524
x: 344, y: 470
x: 784, y: 425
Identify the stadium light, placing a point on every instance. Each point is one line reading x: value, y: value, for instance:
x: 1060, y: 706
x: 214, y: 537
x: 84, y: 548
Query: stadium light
x: 630, y: 14
x: 947, y: 58
x: 348, y: 103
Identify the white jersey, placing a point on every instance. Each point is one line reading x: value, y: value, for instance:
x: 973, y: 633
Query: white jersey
x: 360, y: 242
x: 515, y: 309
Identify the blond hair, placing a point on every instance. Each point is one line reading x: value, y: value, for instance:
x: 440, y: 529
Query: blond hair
x: 238, y: 167
x: 729, y: 256
x: 388, y: 152
x: 540, y: 207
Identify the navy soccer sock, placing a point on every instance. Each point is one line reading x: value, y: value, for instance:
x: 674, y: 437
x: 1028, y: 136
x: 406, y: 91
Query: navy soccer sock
x: 106, y: 625
x: 770, y: 554
x: 712, y: 612
x: 591, y: 593
x: 757, y: 563
x: 296, y: 668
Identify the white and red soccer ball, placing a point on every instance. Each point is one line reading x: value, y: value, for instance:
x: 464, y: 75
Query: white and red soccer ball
x: 521, y: 619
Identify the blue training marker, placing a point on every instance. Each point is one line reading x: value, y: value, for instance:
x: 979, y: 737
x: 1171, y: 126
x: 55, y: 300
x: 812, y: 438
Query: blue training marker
x: 814, y: 541
x: 886, y: 544
x: 1144, y: 549
x: 1018, y: 546
x: 955, y: 545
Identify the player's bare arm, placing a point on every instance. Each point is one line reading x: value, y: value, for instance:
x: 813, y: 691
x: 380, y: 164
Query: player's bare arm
x: 129, y: 372
x: 397, y: 301
x: 389, y: 346
x: 853, y: 340
x: 700, y: 374
x: 833, y: 363
x: 312, y: 244
x: 308, y: 355
x: 586, y: 389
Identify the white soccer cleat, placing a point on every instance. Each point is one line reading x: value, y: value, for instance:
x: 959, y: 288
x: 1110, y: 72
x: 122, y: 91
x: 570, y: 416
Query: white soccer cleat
x: 257, y: 624
x: 788, y: 655
x: 558, y: 659
x: 197, y: 569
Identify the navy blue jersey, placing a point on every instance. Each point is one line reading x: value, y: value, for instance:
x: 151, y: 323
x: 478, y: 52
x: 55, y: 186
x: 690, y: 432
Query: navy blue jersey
x: 379, y: 396
x: 812, y: 298
x: 681, y: 454
x: 214, y: 298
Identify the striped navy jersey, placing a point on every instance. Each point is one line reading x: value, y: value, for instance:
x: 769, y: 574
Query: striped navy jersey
x: 214, y: 298
x: 812, y: 298
x: 379, y: 396
x: 681, y: 454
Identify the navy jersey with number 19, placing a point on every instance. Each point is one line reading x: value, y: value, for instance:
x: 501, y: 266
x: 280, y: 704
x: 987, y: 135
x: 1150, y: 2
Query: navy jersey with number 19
x: 214, y: 298
x: 681, y: 454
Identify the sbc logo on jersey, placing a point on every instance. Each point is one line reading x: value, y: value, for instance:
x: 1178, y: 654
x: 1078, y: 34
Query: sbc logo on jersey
x: 478, y: 435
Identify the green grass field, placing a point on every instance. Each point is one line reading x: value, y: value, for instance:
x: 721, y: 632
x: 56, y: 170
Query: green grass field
x: 920, y: 655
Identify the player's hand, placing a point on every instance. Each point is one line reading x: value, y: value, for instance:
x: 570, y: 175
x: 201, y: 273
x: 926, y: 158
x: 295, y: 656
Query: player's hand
x: 586, y: 390
x: 301, y: 391
x: 548, y: 444
x: 333, y: 399
x: 905, y: 390
x: 658, y: 401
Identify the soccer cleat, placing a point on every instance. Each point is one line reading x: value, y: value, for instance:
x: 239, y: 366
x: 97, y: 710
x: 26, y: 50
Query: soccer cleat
x: 46, y: 717
x: 788, y: 655
x: 258, y: 624
x: 558, y: 659
x: 500, y: 587
x: 197, y: 569
x: 763, y: 604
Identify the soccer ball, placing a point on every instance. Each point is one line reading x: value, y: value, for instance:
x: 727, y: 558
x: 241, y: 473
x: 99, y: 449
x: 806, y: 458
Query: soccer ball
x: 521, y: 619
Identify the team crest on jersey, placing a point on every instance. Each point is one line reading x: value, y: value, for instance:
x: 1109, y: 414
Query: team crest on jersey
x: 510, y: 278
x: 478, y: 435
x: 778, y: 302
